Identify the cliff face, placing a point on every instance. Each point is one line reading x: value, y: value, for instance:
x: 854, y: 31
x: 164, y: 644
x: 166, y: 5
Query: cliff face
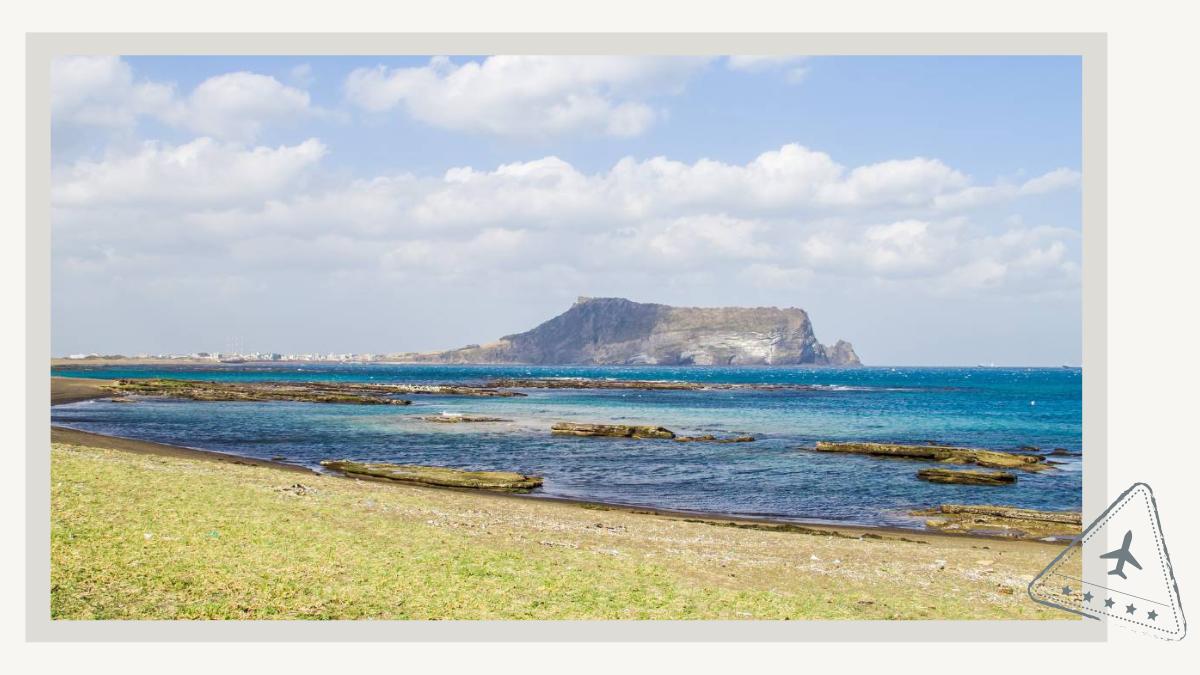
x: 618, y: 331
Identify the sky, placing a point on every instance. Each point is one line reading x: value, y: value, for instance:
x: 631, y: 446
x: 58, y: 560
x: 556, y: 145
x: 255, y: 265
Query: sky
x: 926, y: 209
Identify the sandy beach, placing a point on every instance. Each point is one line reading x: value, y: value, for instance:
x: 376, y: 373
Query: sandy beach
x: 75, y: 389
x: 145, y: 530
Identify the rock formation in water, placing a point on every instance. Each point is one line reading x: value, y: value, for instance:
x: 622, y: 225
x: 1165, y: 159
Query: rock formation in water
x: 619, y: 331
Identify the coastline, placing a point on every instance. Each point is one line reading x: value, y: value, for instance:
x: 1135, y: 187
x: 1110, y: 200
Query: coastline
x: 76, y: 389
x: 132, y: 445
x: 150, y: 536
x: 144, y: 530
x: 65, y: 436
x: 73, y: 390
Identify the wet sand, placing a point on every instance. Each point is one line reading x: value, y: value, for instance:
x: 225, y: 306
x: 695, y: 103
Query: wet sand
x: 75, y: 389
x: 85, y: 438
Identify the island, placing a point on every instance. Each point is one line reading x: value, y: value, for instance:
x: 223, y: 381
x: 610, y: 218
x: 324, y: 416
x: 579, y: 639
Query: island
x: 616, y: 331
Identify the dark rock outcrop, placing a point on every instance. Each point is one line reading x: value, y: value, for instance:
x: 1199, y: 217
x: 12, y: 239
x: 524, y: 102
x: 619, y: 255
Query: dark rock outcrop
x: 445, y: 418
x: 991, y: 459
x: 312, y: 392
x: 591, y: 383
x: 966, y: 477
x: 613, y: 430
x: 499, y: 481
x: 1003, y: 521
x: 619, y: 331
x: 308, y: 392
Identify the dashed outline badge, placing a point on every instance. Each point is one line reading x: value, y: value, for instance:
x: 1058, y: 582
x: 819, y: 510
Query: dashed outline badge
x: 1118, y: 570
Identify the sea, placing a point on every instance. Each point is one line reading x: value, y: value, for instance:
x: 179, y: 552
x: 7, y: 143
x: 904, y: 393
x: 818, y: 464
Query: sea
x: 777, y: 476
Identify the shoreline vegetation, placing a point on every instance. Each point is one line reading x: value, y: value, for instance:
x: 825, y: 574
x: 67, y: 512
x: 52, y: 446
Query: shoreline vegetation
x: 146, y: 536
x: 146, y: 530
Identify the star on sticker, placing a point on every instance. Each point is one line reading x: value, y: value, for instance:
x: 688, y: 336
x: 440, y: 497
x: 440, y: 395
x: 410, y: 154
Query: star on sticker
x: 1108, y: 602
x: 1130, y: 609
x: 1087, y: 597
x: 1152, y: 615
x: 1066, y: 590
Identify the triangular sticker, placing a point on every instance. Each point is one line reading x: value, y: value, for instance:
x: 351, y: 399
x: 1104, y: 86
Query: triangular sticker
x: 1118, y: 570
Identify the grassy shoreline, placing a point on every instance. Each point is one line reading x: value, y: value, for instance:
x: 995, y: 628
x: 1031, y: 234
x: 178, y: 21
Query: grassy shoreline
x: 148, y: 531
x: 144, y: 536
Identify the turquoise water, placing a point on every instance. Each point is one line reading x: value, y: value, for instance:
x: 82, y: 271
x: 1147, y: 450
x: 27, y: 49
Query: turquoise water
x: 777, y: 476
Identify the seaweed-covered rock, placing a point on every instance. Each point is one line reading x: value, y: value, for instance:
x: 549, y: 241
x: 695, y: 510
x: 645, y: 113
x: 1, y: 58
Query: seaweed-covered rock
x: 455, y: 418
x: 444, y: 390
x: 1003, y: 521
x: 590, y: 383
x: 709, y: 438
x: 499, y: 481
x: 307, y: 392
x: 613, y: 430
x: 966, y: 476
x: 991, y: 459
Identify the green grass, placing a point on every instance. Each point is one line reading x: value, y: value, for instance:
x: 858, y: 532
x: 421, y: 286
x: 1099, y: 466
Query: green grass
x: 145, y: 537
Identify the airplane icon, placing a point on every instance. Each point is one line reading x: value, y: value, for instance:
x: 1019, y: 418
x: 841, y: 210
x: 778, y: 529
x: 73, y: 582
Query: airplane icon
x: 1122, y: 556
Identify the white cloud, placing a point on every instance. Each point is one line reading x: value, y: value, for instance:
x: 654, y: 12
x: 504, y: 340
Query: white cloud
x: 302, y: 75
x: 793, y: 67
x: 902, y: 248
x: 203, y: 174
x: 793, y: 179
x: 526, y: 95
x: 972, y: 197
x: 778, y: 221
x: 945, y: 257
x: 100, y: 91
x: 1057, y: 179
x: 237, y: 105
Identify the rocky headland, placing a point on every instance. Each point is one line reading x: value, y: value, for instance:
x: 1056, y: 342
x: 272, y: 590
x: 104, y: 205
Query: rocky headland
x: 616, y: 331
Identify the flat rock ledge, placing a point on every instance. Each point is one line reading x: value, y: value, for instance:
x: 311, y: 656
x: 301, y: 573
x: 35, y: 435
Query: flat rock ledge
x: 991, y: 459
x: 455, y: 418
x: 646, y: 385
x: 307, y: 392
x: 612, y: 430
x: 709, y: 438
x: 1006, y: 521
x: 446, y: 390
x: 967, y: 477
x: 588, y: 383
x: 497, y: 481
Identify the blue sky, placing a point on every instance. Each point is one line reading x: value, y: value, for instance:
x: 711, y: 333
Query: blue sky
x: 987, y: 115
x: 926, y: 209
